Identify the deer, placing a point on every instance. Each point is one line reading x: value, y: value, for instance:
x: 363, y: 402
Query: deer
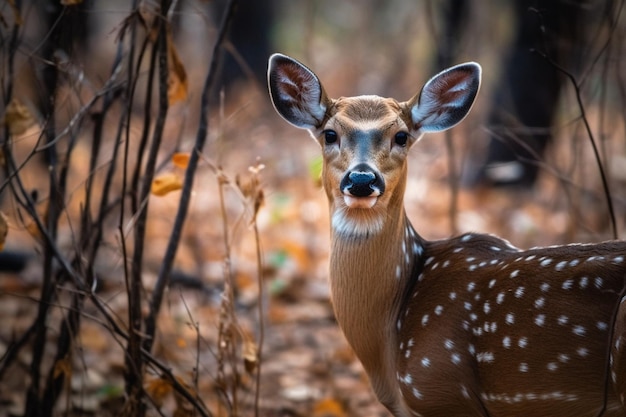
x: 465, y: 326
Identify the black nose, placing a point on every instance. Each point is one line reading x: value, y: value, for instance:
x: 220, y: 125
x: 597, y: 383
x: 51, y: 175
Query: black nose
x: 362, y: 181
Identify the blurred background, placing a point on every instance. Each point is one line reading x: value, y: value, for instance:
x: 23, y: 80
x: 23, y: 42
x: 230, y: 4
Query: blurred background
x: 540, y: 160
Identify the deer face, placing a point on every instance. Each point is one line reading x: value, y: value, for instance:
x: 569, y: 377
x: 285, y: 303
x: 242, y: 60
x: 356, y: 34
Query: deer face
x: 365, y: 142
x: 365, y: 139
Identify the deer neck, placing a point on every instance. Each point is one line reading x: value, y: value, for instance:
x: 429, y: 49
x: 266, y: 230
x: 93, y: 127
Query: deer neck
x: 369, y: 278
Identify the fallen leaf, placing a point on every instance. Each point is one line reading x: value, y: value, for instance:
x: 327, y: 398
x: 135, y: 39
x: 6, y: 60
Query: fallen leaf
x: 159, y: 389
x: 181, y: 159
x: 62, y: 367
x: 165, y: 184
x: 328, y: 407
x: 177, y: 83
x: 18, y: 117
x: 250, y: 355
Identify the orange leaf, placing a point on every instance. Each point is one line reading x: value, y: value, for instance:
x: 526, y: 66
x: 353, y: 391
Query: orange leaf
x: 177, y: 81
x: 165, y: 184
x: 329, y: 407
x: 181, y: 159
x: 159, y: 389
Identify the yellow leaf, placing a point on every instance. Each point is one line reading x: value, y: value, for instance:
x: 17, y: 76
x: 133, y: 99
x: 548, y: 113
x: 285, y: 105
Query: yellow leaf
x: 158, y: 389
x: 4, y: 230
x: 181, y: 159
x: 177, y: 81
x: 165, y: 184
x: 18, y: 118
x: 250, y: 355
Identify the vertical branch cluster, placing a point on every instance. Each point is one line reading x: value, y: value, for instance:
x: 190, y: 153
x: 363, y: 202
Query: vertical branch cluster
x: 69, y: 273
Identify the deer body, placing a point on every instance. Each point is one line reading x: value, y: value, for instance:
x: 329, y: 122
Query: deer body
x: 469, y: 326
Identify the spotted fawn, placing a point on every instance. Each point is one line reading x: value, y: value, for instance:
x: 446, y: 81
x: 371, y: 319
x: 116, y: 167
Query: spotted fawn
x: 468, y: 326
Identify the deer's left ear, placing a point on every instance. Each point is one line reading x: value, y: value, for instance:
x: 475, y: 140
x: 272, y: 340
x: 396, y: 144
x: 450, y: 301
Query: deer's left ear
x: 296, y: 92
x: 446, y: 98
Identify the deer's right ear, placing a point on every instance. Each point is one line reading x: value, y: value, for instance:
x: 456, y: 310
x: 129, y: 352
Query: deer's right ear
x: 296, y: 92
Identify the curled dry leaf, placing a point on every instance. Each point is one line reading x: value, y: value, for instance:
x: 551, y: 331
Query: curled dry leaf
x: 177, y: 81
x: 250, y: 355
x: 62, y: 367
x: 165, y: 184
x: 4, y: 230
x: 18, y: 117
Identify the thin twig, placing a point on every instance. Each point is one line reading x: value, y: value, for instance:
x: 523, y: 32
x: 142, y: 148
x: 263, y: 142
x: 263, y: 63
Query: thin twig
x: 596, y: 152
x: 258, y: 201
x: 183, y: 206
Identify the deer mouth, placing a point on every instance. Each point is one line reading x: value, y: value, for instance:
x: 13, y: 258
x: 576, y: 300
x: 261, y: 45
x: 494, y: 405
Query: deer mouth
x: 360, y: 202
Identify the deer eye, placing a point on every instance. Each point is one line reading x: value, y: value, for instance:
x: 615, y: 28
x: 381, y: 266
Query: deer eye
x: 330, y: 137
x: 401, y: 139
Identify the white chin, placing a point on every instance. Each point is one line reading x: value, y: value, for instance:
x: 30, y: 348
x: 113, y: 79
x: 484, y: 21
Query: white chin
x: 359, y: 202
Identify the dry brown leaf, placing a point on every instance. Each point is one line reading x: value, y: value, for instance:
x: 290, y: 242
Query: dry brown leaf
x: 165, y: 184
x: 71, y: 2
x: 159, y: 389
x: 177, y: 81
x: 93, y: 338
x: 4, y: 230
x: 62, y: 367
x: 181, y: 159
x: 250, y: 355
x: 329, y: 407
x: 18, y: 117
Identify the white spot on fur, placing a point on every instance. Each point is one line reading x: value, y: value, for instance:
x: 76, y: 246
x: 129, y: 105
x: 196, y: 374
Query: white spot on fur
x: 522, y: 342
x: 540, y: 320
x: 579, y: 330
